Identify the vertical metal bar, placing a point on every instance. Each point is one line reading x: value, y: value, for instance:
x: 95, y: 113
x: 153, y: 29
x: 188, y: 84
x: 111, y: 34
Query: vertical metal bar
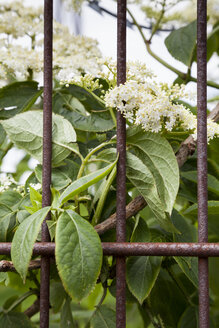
x: 47, y: 157
x: 121, y: 169
x: 202, y: 159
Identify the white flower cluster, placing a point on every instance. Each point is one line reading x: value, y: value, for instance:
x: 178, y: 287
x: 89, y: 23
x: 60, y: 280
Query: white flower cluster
x: 18, y: 20
x: 72, y: 55
x: 36, y: 186
x: 154, y: 107
x: 7, y: 182
x: 106, y: 69
x: 76, y: 4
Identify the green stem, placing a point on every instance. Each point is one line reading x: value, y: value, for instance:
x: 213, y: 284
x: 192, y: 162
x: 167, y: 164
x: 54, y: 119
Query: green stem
x: 182, y: 75
x: 84, y: 163
x: 94, y: 95
x: 156, y: 26
x: 103, y: 196
x: 93, y: 151
x: 103, y: 103
x: 113, y: 116
x: 151, y: 316
x: 21, y: 299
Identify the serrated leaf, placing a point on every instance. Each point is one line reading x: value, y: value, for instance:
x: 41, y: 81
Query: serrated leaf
x: 15, y: 320
x: 181, y: 43
x: 157, y: 155
x: 78, y: 254
x: 143, y: 180
x: 104, y: 318
x: 24, y: 239
x: 26, y: 131
x: 19, y: 97
x: 88, y: 121
x: 83, y: 183
x: 142, y: 271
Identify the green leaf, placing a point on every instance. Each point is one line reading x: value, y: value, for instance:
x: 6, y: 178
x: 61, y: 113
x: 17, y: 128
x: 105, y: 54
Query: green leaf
x: 213, y: 183
x: 142, y: 178
x: 188, y: 234
x: 213, y: 42
x: 83, y: 183
x: 35, y: 198
x: 181, y: 43
x: 167, y: 301
x: 189, y: 318
x: 15, y: 320
x: 66, y: 319
x: 156, y: 153
x: 18, y: 95
x: 213, y: 214
x: 142, y: 271
x: 24, y: 239
x: 26, y: 131
x: 10, y: 198
x: 86, y: 98
x: 85, y: 120
x: 59, y: 179
x: 57, y: 295
x: 104, y: 318
x: 78, y: 254
x: 5, y: 217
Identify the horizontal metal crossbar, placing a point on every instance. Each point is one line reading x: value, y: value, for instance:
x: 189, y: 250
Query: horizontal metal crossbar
x: 135, y: 249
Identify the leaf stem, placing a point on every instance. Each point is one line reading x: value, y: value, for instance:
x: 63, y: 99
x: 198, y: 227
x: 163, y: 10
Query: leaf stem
x: 182, y: 75
x: 156, y: 26
x: 93, y: 151
x: 97, y: 306
x: 21, y: 299
x: 103, y: 196
x: 103, y: 103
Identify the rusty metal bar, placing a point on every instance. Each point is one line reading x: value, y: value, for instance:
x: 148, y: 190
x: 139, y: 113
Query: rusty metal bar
x: 202, y: 159
x: 121, y: 169
x: 47, y: 158
x: 135, y: 249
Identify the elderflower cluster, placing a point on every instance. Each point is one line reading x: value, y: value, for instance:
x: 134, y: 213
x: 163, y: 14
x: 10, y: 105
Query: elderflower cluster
x: 72, y: 55
x: 18, y: 20
x: 7, y: 182
x: 106, y: 69
x: 76, y: 4
x: 35, y: 186
x: 154, y: 107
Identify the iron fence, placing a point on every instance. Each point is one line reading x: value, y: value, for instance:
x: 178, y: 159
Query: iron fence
x: 120, y: 248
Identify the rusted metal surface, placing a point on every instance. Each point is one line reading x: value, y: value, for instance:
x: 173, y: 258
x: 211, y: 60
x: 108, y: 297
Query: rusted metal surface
x: 135, y: 249
x: 202, y: 159
x: 47, y: 157
x: 121, y: 169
